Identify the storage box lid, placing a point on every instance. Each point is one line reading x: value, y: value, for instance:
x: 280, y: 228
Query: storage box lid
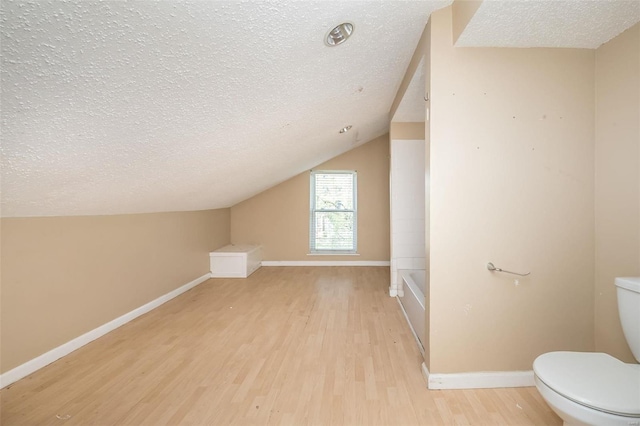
x: 236, y: 248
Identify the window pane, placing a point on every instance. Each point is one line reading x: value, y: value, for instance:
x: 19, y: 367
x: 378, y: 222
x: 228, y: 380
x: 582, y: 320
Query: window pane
x: 334, y: 231
x: 334, y: 191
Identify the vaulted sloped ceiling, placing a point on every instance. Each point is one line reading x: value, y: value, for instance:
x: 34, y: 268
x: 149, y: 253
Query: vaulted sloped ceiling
x: 125, y: 107
x: 145, y: 106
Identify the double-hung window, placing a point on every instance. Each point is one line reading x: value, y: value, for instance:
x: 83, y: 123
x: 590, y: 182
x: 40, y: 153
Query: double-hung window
x: 333, y: 222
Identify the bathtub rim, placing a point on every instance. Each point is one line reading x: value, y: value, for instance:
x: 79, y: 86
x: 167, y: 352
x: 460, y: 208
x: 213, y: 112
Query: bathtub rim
x: 406, y: 278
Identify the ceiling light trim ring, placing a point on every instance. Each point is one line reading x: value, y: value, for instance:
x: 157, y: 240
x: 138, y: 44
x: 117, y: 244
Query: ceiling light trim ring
x: 339, y: 34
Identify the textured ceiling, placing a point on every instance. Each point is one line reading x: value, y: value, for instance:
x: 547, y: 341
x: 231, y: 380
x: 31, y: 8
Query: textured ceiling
x: 126, y: 107
x: 549, y: 23
x: 533, y: 23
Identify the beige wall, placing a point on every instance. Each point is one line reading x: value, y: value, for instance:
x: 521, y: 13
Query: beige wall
x: 617, y: 182
x: 64, y: 276
x: 417, y: 131
x: 407, y: 131
x: 427, y: 195
x: 462, y: 12
x: 414, y: 63
x: 278, y: 219
x: 512, y: 182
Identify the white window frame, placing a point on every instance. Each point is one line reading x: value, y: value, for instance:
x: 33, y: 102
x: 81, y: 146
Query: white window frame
x: 312, y: 210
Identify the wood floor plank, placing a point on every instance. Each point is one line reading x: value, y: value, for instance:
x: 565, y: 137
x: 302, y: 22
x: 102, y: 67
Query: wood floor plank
x: 317, y: 346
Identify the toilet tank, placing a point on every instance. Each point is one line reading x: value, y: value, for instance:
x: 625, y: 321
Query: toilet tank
x: 628, y: 289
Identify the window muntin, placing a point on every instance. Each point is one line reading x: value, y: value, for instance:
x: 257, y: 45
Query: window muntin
x: 333, y: 222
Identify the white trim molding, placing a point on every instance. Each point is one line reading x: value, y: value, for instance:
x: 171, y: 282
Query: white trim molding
x: 55, y: 354
x: 478, y: 380
x: 325, y: 263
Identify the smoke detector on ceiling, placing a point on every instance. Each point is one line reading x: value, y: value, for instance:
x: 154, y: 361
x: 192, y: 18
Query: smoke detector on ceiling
x: 339, y: 34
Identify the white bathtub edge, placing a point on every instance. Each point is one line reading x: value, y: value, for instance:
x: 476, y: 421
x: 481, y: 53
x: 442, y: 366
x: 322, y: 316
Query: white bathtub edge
x: 413, y: 289
x: 413, y: 331
x: 413, y: 303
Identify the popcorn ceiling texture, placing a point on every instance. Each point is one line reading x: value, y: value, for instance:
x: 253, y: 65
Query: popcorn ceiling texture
x: 549, y: 23
x: 130, y: 107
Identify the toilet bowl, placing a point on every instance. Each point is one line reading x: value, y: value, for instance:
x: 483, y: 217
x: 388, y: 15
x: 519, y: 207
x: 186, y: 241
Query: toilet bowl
x: 595, y: 388
x: 589, y: 388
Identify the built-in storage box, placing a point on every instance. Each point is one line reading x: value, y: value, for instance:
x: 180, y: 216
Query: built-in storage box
x: 235, y: 261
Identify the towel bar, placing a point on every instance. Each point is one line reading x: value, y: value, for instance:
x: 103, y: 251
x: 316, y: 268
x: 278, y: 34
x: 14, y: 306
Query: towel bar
x: 492, y: 268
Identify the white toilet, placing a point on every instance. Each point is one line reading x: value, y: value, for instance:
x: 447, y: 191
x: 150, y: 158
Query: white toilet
x: 595, y: 388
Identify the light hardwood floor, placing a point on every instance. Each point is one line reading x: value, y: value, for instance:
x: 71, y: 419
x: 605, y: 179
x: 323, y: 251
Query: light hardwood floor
x: 324, y: 346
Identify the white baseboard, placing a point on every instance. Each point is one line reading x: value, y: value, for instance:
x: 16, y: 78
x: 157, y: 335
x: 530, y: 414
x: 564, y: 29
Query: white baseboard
x: 393, y: 292
x: 480, y: 380
x: 55, y: 354
x: 325, y: 263
x: 425, y: 373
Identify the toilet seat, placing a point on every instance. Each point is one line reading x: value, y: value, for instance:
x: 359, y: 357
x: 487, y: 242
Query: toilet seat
x: 595, y: 380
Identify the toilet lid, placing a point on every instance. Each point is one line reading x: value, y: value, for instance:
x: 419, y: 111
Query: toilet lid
x: 596, y: 380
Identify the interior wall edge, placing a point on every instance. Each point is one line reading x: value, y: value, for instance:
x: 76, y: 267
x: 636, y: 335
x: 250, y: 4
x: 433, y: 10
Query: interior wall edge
x: 55, y: 354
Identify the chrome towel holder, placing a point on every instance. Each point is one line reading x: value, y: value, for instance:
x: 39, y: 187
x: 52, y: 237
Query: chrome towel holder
x: 492, y: 268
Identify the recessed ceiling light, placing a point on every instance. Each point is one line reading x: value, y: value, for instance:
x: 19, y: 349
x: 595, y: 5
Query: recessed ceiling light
x: 339, y: 34
x: 346, y: 129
